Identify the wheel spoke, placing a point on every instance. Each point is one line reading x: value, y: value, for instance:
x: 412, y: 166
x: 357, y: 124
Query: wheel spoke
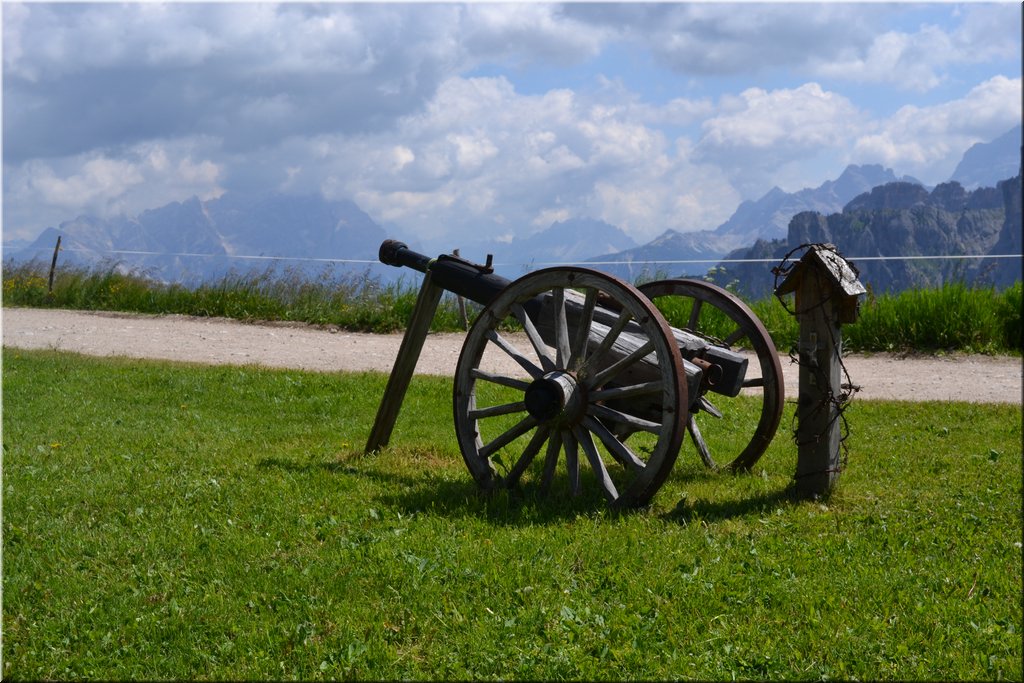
x: 561, y: 328
x: 550, y: 461
x: 600, y: 471
x: 531, y: 332
x: 572, y: 461
x: 709, y: 407
x: 617, y: 416
x: 580, y: 325
x: 698, y: 441
x: 626, y: 392
x: 524, y: 362
x: 502, y: 380
x: 579, y: 347
x: 618, y: 366
x: 528, y: 455
x: 746, y: 330
x: 523, y: 426
x: 691, y: 324
x: 619, y: 450
x: 735, y: 336
x: 492, y: 411
x: 609, y: 339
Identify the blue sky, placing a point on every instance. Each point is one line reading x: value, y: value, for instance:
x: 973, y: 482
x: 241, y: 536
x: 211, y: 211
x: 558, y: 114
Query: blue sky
x: 453, y: 121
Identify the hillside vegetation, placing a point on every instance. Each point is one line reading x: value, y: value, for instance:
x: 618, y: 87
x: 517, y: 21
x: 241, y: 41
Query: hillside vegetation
x: 953, y: 317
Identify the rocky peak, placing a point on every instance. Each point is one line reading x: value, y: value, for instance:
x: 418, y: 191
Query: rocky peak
x: 949, y: 196
x: 898, y: 195
x: 856, y: 179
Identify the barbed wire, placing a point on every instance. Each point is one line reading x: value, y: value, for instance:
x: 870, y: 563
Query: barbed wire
x: 837, y: 402
x: 261, y: 257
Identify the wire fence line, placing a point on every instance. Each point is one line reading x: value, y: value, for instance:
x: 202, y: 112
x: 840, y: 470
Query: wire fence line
x: 308, y: 259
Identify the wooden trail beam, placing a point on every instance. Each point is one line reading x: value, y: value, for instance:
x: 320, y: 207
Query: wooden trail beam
x: 405, y: 364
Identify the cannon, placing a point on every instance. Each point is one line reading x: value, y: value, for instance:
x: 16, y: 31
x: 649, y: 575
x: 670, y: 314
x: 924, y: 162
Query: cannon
x: 567, y: 360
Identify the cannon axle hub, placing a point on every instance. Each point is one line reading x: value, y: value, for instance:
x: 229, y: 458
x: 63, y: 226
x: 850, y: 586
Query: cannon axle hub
x: 555, y: 396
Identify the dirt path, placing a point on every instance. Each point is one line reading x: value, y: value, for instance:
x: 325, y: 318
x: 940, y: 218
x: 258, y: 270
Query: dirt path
x: 982, y: 379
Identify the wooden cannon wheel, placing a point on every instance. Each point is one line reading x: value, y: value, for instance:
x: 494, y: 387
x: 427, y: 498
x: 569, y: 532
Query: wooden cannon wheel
x: 764, y: 378
x: 572, y: 366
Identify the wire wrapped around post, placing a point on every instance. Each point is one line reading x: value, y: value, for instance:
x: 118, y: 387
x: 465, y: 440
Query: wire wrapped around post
x: 827, y: 293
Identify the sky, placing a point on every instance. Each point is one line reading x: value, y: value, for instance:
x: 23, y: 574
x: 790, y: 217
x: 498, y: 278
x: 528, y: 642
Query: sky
x: 456, y: 121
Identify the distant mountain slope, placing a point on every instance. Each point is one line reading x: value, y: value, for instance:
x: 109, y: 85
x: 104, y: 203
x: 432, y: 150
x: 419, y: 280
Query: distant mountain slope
x: 310, y: 227
x: 769, y: 217
x: 195, y: 240
x: 766, y: 218
x: 986, y: 163
x: 901, y: 219
x: 655, y: 259
x: 570, y: 241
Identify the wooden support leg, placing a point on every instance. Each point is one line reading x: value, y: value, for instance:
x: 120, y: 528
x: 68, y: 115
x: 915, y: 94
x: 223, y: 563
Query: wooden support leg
x: 405, y: 364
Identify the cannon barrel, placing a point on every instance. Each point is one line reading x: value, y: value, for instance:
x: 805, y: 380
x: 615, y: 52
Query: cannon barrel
x: 479, y: 283
x: 472, y: 281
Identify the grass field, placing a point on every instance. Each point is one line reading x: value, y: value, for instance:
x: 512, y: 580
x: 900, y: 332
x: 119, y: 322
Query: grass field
x: 167, y: 521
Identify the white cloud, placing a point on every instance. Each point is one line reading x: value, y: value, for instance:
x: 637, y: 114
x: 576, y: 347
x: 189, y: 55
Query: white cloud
x: 799, y: 118
x: 126, y: 107
x: 929, y: 141
x: 528, y: 32
x: 762, y: 131
x: 98, y: 182
x: 482, y: 155
x: 471, y: 150
x: 719, y: 39
x: 146, y: 176
x: 908, y: 61
x: 921, y: 60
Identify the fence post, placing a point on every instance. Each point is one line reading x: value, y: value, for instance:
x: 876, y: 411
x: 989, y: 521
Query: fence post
x: 828, y: 294
x: 53, y: 264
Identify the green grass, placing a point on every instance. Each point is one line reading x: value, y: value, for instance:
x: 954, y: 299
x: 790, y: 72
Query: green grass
x: 352, y: 301
x: 952, y: 318
x: 166, y: 521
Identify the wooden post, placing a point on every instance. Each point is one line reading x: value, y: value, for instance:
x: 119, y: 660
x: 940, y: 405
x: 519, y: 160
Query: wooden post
x: 405, y: 364
x: 53, y: 264
x: 827, y: 294
x: 820, y: 352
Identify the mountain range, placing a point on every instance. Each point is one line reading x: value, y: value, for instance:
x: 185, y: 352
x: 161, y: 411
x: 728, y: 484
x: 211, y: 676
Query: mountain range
x: 571, y: 241
x: 196, y: 240
x: 766, y: 218
x: 901, y: 219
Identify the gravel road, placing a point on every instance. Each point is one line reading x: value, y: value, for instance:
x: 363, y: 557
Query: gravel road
x: 981, y: 379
